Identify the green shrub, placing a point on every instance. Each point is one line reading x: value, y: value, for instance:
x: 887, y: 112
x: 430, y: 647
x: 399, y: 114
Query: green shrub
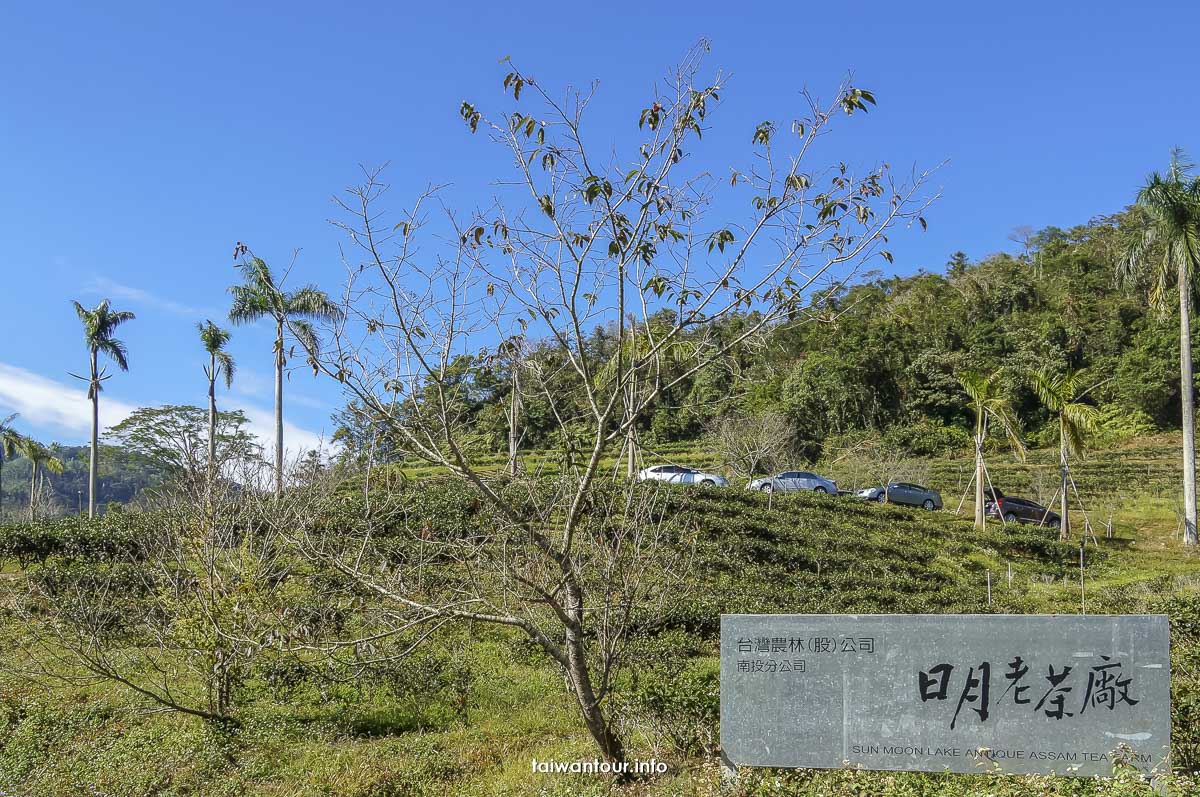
x: 1118, y: 424
x: 673, y: 697
x: 112, y: 535
x: 924, y: 437
x: 1183, y: 611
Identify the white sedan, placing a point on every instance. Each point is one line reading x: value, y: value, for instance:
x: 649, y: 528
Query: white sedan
x: 795, y: 480
x: 678, y: 474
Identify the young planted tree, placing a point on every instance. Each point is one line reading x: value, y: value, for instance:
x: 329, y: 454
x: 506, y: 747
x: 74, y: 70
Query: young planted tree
x: 181, y: 607
x: 99, y: 324
x: 220, y: 364
x: 586, y: 235
x: 8, y: 450
x: 39, y: 457
x: 1062, y: 395
x: 262, y: 296
x: 988, y: 404
x: 751, y: 444
x: 1172, y: 205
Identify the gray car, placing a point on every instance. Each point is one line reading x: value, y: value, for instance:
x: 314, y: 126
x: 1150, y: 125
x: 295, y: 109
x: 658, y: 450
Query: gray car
x: 794, y: 480
x: 903, y: 493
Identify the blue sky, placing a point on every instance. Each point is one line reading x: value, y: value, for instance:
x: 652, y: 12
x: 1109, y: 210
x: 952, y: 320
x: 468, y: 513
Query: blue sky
x: 138, y: 142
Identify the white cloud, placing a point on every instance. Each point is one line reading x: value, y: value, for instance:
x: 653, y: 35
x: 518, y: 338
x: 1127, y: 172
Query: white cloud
x: 103, y: 286
x: 253, y: 383
x: 262, y: 425
x: 45, y: 403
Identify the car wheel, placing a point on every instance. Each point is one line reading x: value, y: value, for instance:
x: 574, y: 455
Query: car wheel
x: 1010, y: 518
x: 708, y: 483
x: 821, y: 490
x: 767, y: 488
x: 882, y: 498
x: 928, y: 505
x: 1056, y: 523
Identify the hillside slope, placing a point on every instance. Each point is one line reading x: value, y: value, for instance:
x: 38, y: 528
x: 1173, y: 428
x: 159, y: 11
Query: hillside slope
x: 415, y: 730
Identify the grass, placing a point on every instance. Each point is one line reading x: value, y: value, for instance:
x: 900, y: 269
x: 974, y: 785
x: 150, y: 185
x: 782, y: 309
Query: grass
x: 801, y: 553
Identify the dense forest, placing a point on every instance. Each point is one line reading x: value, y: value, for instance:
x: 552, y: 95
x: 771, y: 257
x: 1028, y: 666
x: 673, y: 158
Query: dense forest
x: 122, y: 477
x: 881, y: 356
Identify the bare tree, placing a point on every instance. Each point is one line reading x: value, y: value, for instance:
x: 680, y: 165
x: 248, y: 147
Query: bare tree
x: 501, y: 568
x: 1024, y: 236
x: 751, y: 444
x: 581, y: 236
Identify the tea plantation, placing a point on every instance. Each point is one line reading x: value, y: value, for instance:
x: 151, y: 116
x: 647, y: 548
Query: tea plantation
x: 471, y: 709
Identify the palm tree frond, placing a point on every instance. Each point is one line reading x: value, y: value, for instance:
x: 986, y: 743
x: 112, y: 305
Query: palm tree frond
x: 227, y: 365
x: 307, y: 336
x: 311, y: 302
x: 1048, y: 388
x: 248, y: 305
x: 115, y: 350
x: 975, y: 384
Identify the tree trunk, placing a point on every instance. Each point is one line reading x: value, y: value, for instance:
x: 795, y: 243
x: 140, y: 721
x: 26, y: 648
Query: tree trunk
x: 213, y: 419
x: 1187, y: 392
x: 631, y: 463
x: 1064, y: 532
x: 598, y: 726
x: 630, y: 436
x: 93, y: 456
x: 32, y: 490
x: 980, y: 520
x: 513, y: 415
x: 212, y: 427
x: 279, y: 410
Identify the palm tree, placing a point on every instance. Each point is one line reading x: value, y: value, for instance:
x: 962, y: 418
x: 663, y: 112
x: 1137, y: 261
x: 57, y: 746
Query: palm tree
x: 8, y: 450
x: 1172, y: 204
x: 989, y: 405
x: 40, y: 457
x: 98, y: 328
x: 262, y: 297
x: 220, y: 362
x: 1062, y: 394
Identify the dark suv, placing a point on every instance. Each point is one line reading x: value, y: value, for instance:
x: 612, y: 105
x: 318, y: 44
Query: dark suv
x: 1022, y: 510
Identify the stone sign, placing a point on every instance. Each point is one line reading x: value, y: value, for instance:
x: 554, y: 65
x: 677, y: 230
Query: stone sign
x: 1051, y: 694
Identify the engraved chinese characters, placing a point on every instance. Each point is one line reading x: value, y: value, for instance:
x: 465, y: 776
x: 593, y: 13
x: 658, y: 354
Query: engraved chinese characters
x: 1062, y: 694
x: 1106, y: 688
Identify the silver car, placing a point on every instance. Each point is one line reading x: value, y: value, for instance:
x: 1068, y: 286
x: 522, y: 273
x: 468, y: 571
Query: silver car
x: 903, y: 493
x: 794, y: 480
x: 678, y: 474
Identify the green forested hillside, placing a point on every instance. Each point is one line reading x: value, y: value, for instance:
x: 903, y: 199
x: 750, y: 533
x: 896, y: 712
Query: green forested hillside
x: 880, y: 356
x: 122, y: 476
x: 876, y: 361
